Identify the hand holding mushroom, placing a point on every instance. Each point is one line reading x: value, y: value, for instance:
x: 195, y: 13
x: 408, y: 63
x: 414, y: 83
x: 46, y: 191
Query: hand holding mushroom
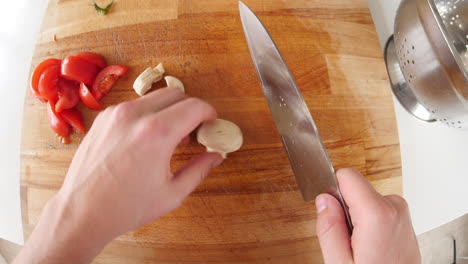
x: 219, y: 136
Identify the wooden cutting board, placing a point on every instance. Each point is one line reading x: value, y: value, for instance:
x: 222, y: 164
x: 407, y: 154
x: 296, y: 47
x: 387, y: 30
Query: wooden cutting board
x: 249, y: 210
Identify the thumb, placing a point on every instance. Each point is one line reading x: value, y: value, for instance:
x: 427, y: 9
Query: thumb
x: 187, y: 178
x: 332, y: 230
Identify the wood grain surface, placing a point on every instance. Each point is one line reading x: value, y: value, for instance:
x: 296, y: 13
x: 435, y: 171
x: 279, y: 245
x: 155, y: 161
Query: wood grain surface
x: 250, y: 209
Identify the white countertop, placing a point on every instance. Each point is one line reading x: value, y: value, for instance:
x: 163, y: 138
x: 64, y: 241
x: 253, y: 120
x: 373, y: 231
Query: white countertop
x: 19, y: 23
x: 433, y: 156
x: 435, y: 177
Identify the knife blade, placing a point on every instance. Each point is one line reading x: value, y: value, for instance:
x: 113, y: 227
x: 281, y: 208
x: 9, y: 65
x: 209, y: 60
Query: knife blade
x: 307, y: 155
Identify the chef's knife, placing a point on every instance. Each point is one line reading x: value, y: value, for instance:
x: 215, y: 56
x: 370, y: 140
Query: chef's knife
x: 307, y: 154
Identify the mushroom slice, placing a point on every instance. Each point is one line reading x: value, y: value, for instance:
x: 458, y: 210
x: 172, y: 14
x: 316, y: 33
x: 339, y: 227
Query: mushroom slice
x: 145, y: 80
x: 220, y: 136
x: 172, y: 81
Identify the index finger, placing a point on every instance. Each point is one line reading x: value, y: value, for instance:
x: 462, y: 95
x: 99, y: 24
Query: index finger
x: 181, y: 118
x: 157, y: 100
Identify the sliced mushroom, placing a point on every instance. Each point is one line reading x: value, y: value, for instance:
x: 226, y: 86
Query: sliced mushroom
x: 220, y: 136
x: 145, y: 80
x: 172, y: 81
x: 160, y: 68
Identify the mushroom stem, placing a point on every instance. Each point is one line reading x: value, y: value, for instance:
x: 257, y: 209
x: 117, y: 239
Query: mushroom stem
x: 145, y: 80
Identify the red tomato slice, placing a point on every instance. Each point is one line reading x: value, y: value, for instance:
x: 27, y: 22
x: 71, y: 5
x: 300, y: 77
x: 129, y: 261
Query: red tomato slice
x: 77, y: 69
x: 87, y: 98
x: 94, y: 58
x: 56, y: 122
x: 106, y: 78
x: 48, y: 83
x: 68, y: 95
x: 74, y: 118
x: 37, y: 75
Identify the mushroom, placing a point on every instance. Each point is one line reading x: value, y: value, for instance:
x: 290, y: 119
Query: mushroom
x: 220, y: 136
x: 172, y: 81
x: 145, y: 80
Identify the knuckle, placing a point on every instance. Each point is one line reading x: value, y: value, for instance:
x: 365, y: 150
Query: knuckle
x: 346, y: 175
x: 200, y: 105
x: 398, y: 202
x: 143, y: 130
x: 159, y: 128
x: 123, y: 111
x: 152, y: 127
x: 389, y: 213
x: 347, y: 171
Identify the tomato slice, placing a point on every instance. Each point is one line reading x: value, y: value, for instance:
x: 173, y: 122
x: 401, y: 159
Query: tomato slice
x: 80, y: 70
x: 87, y: 98
x: 93, y: 58
x: 37, y: 75
x: 106, y: 78
x: 68, y: 95
x: 48, y: 83
x: 74, y: 118
x: 56, y: 122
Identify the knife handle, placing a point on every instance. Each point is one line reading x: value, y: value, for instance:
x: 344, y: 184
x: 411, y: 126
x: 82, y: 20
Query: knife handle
x: 339, y: 197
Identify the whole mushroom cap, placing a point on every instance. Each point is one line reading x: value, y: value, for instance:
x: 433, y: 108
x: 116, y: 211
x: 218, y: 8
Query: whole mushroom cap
x: 220, y: 136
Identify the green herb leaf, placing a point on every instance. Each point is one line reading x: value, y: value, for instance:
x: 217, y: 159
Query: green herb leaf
x: 102, y: 11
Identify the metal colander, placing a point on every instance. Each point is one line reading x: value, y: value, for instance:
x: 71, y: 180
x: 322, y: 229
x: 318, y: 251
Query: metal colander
x: 427, y: 60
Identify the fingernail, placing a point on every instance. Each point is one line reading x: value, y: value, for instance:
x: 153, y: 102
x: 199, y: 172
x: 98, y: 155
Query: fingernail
x: 320, y: 203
